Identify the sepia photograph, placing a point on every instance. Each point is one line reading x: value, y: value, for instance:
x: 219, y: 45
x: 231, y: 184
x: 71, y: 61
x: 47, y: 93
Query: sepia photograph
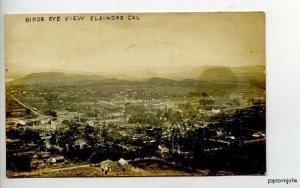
x: 135, y: 94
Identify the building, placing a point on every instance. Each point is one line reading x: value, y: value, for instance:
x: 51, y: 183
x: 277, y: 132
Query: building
x: 123, y: 162
x: 56, y: 159
x: 163, y: 149
x: 109, y: 166
x: 80, y: 143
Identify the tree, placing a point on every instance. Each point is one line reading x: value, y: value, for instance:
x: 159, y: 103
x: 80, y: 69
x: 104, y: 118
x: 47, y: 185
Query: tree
x: 31, y: 136
x: 206, y: 102
x: 28, y: 111
x: 178, y: 116
x: 8, y: 114
x: 51, y: 113
x: 69, y: 135
x: 13, y: 134
x: 204, y: 94
x: 92, y: 135
x: 104, y: 134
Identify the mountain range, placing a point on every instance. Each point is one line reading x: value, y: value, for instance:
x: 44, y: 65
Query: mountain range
x: 186, y: 76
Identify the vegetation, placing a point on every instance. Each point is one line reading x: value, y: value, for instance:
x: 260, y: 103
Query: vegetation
x: 211, y: 126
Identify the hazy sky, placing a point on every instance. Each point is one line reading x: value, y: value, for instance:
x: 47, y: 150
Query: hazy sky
x: 156, y: 40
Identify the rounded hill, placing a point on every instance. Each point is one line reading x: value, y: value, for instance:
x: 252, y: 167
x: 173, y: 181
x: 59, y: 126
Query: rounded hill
x: 218, y: 75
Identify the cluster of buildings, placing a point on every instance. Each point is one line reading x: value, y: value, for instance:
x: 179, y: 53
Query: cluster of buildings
x: 109, y: 166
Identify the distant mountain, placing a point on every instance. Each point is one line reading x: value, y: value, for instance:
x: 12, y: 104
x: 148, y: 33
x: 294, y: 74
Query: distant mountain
x: 180, y: 83
x: 218, y: 75
x: 186, y: 72
x: 190, y: 82
x: 146, y: 73
x: 55, y: 78
x: 177, y: 77
x: 250, y: 73
x: 64, y: 78
x: 158, y: 80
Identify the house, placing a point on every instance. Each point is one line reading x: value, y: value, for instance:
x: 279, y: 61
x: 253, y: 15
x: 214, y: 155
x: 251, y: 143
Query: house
x: 47, y: 144
x: 57, y: 159
x: 44, y: 155
x: 80, y: 143
x: 91, y: 123
x: 258, y: 135
x: 123, y: 162
x: 45, y: 137
x: 109, y: 166
x: 14, y: 144
x: 216, y: 111
x: 45, y: 120
x: 21, y: 123
x: 163, y: 149
x: 123, y: 133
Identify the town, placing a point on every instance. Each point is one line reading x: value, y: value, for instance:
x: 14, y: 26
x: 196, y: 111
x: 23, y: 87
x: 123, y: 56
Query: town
x: 117, y: 127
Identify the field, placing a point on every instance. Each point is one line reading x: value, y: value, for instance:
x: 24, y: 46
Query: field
x: 92, y: 171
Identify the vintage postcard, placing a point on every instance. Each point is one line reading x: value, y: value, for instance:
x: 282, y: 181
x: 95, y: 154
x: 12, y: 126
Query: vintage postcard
x: 135, y: 94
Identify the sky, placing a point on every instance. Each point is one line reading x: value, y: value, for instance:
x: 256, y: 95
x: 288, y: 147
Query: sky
x: 155, y: 40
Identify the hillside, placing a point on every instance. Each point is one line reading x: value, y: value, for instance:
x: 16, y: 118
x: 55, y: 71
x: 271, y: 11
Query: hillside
x: 55, y: 78
x: 218, y: 75
x: 202, y: 76
x: 158, y: 80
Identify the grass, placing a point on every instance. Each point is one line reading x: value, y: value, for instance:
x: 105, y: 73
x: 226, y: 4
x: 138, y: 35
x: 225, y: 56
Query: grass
x: 91, y: 171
